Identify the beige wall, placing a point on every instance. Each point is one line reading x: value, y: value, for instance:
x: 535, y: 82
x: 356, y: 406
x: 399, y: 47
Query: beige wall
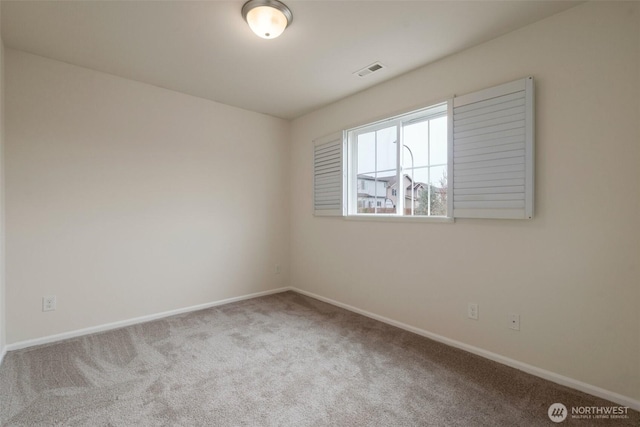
x: 572, y: 273
x: 2, y: 186
x: 124, y: 199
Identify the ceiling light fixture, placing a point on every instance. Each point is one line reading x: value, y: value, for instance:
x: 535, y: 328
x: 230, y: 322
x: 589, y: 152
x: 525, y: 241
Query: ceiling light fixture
x: 267, y: 18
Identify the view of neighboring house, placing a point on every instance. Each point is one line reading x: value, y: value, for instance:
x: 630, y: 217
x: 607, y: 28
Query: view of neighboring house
x: 411, y: 192
x: 382, y: 192
x: 373, y: 193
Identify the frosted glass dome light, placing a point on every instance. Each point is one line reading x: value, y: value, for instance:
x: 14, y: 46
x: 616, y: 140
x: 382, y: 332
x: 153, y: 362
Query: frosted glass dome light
x: 267, y: 18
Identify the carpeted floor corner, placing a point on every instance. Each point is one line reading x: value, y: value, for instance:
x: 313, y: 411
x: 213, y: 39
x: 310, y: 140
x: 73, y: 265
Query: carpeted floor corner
x: 280, y: 360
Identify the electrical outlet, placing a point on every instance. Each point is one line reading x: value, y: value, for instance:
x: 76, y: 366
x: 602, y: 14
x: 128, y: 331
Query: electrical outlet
x: 278, y: 269
x: 514, y: 322
x: 49, y: 303
x: 472, y: 311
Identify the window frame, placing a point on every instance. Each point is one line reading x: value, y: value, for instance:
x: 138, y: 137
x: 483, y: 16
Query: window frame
x: 425, y: 113
x: 490, y: 159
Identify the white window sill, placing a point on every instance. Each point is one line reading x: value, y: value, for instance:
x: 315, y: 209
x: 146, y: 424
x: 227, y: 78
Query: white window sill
x: 398, y: 218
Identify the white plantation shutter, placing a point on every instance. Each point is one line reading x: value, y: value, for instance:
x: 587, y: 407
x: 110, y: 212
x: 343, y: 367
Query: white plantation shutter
x: 328, y: 183
x: 492, y: 159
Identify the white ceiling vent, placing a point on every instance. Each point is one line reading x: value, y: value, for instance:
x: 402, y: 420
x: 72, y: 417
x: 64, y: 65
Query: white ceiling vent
x: 369, y: 69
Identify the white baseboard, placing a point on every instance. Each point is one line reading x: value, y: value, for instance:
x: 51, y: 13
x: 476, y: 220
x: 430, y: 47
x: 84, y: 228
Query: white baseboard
x: 142, y: 319
x: 3, y: 352
x: 533, y: 370
x: 530, y: 369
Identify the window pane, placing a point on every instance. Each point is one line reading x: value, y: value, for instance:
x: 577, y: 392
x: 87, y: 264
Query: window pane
x: 366, y: 152
x: 387, y: 156
x: 415, y: 141
x: 419, y: 177
x: 387, y: 149
x: 438, y: 176
x: 439, y: 190
x: 374, y: 195
x: 376, y: 168
x: 429, y: 191
x: 438, y: 141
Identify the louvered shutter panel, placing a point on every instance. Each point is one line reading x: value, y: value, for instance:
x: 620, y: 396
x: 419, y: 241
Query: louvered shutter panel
x: 328, y: 186
x: 493, y: 152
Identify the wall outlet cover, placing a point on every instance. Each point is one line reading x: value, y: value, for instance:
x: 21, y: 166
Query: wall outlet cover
x: 49, y: 303
x: 472, y: 311
x: 514, y: 322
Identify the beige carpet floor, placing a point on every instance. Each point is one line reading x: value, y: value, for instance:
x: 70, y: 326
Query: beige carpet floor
x: 280, y: 360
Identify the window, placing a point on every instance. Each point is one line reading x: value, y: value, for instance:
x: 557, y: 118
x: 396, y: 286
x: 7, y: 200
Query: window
x: 400, y: 164
x: 469, y: 157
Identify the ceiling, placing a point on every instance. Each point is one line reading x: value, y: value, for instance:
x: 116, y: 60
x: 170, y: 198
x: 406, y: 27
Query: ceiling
x: 206, y: 49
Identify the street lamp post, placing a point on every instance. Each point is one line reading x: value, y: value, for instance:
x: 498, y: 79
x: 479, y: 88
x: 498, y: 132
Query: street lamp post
x: 412, y: 176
